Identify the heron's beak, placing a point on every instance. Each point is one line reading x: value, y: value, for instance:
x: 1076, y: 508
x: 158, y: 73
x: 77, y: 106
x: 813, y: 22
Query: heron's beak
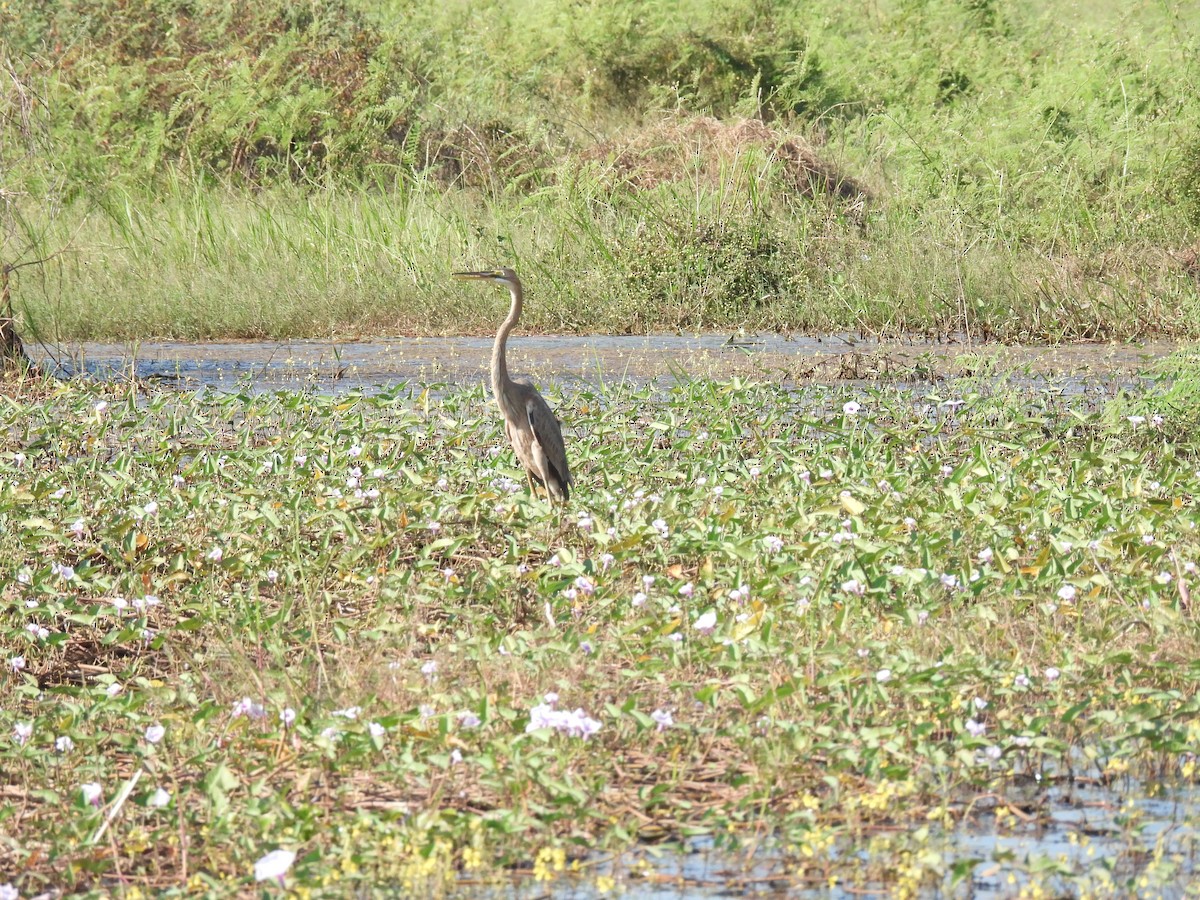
x: 491, y: 273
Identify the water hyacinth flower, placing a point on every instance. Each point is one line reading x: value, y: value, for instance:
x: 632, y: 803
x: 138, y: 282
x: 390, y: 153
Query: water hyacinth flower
x: 575, y: 724
x: 155, y: 733
x: 159, y: 799
x: 706, y: 623
x: 249, y: 708
x: 92, y: 793
x: 274, y: 866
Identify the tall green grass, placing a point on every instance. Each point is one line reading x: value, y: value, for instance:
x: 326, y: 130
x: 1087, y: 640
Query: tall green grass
x: 238, y: 171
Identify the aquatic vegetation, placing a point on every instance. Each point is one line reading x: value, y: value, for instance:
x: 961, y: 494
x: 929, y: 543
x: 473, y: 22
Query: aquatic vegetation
x: 332, y: 640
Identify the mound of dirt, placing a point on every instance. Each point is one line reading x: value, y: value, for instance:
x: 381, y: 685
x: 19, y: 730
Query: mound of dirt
x: 681, y: 148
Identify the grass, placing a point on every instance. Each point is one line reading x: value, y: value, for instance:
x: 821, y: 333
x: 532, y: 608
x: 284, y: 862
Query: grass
x: 217, y: 170
x: 812, y: 624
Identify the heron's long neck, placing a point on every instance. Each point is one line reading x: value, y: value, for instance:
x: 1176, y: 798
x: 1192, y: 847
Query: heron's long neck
x: 499, y: 363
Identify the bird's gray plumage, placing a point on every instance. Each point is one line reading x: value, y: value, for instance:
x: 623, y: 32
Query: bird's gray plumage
x: 529, y: 423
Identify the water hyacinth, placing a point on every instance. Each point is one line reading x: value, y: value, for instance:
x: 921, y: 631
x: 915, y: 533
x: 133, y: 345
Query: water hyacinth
x: 575, y: 724
x: 274, y: 866
x: 919, y: 617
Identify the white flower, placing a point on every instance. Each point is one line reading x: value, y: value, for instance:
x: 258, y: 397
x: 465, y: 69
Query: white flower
x: 376, y: 730
x: 851, y: 408
x: 249, y: 708
x: 1066, y: 592
x: 22, y: 732
x: 1021, y: 680
x: 980, y: 704
x: 159, y: 799
x: 350, y: 712
x: 976, y: 729
x: 575, y: 724
x: 854, y: 586
x: 8, y: 892
x: 639, y: 599
x: 992, y: 752
x: 78, y: 528
x: 92, y: 793
x: 1135, y: 420
x: 1051, y: 673
x: 155, y: 733
x: 985, y: 555
x: 772, y: 543
x: 64, y: 744
x: 663, y: 718
x: 606, y: 561
x: 113, y: 689
x: 551, y: 698
x: 455, y: 756
x: 705, y: 623
x: 274, y: 865
x: 469, y: 720
x: 287, y: 716
x: 687, y: 590
x: 883, y: 675
x: 216, y: 554
x: 17, y: 663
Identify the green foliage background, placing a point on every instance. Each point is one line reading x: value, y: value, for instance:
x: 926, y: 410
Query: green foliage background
x: 1031, y: 170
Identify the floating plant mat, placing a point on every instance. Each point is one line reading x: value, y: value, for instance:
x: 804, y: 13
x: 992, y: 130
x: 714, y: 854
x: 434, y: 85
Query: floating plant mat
x: 852, y: 638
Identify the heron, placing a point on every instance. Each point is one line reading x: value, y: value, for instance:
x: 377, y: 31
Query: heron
x: 529, y: 423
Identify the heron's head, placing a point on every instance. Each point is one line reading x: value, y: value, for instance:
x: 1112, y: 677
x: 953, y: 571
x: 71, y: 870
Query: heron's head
x: 499, y: 276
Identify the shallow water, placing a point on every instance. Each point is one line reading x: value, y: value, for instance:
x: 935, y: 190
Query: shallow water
x: 1080, y: 828
x: 328, y: 366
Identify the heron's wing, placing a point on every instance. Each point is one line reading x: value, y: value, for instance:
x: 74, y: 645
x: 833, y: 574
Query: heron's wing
x: 548, y: 434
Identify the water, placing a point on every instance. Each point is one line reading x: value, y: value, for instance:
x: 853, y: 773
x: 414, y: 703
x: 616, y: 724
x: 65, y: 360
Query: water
x: 659, y: 360
x: 1075, y: 828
